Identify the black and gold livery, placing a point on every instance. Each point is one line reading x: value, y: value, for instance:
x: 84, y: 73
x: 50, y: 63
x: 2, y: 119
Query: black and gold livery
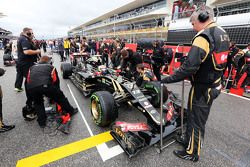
x: 204, y: 66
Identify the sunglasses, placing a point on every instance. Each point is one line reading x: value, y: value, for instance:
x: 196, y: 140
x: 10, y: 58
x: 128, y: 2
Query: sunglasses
x: 29, y: 34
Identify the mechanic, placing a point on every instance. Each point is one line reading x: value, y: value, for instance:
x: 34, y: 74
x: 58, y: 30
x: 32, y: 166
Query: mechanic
x: 168, y: 56
x: 105, y: 54
x: 233, y: 50
x: 204, y: 66
x: 157, y: 59
x: 116, y: 54
x: 61, y: 49
x: 246, y: 68
x: 3, y: 127
x: 27, y: 56
x: 142, y: 76
x: 238, y: 62
x: 129, y: 61
x: 42, y: 81
x: 84, y: 50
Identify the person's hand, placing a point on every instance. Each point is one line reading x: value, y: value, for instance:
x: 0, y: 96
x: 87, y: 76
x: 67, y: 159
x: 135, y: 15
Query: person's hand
x: 38, y: 51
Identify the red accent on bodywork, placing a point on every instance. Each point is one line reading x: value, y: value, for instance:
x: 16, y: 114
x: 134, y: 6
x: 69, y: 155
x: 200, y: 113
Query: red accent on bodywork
x: 135, y: 127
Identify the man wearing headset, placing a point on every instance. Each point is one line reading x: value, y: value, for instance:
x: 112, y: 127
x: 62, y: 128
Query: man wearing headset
x: 27, y: 56
x: 204, y: 66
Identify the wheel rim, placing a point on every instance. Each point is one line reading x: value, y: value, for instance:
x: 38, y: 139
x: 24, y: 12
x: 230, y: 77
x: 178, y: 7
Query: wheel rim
x: 94, y: 109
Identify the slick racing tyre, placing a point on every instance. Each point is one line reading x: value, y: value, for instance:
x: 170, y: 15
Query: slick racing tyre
x: 103, y: 108
x: 154, y: 89
x: 66, y: 70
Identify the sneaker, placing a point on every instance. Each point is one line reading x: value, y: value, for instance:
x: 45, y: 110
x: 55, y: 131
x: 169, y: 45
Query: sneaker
x: 30, y: 117
x: 184, y: 155
x: 28, y: 113
x: 5, y: 128
x: 18, y: 89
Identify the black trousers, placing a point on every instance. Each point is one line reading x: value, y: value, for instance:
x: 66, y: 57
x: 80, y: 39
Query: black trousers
x: 55, y: 94
x: 105, y: 59
x: 67, y: 53
x: 61, y: 53
x: 23, y: 69
x: 19, y: 77
x: 157, y: 71
x: 199, y: 104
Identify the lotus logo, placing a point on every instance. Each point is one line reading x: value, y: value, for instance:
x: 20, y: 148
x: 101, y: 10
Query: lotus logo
x: 223, y: 57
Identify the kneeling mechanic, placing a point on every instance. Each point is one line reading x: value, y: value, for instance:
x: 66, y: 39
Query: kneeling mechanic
x: 43, y: 81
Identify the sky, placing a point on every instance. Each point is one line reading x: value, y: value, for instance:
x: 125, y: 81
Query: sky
x: 52, y: 18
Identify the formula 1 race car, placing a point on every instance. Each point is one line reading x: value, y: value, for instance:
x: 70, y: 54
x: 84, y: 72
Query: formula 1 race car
x: 109, y: 90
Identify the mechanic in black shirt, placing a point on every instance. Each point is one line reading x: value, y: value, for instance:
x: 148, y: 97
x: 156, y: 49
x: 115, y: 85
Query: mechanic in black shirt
x: 233, y: 50
x: 142, y: 76
x: 43, y: 80
x: 27, y: 56
x: 129, y: 62
x: 105, y: 54
x: 157, y: 59
x: 204, y: 66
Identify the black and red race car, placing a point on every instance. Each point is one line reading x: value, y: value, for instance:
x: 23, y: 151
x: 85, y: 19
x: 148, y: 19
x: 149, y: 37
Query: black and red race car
x: 108, y: 91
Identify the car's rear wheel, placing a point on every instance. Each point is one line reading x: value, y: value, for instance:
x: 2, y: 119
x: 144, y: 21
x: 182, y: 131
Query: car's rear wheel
x: 154, y: 89
x: 103, y: 108
x: 66, y: 70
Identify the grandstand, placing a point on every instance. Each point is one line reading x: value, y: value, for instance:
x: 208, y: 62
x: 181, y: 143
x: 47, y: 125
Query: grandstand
x: 233, y: 16
x: 166, y: 20
x: 138, y: 19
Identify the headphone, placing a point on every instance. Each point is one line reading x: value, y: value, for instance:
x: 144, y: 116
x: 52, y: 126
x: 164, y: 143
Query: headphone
x: 203, y: 16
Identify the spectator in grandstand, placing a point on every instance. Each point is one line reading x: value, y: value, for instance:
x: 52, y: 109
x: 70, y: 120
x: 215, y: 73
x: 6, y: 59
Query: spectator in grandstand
x: 187, y: 10
x: 204, y: 65
x: 66, y: 45
x: 157, y: 59
x: 3, y: 127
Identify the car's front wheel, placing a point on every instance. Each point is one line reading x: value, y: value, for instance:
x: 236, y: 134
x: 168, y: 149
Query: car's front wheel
x: 103, y: 108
